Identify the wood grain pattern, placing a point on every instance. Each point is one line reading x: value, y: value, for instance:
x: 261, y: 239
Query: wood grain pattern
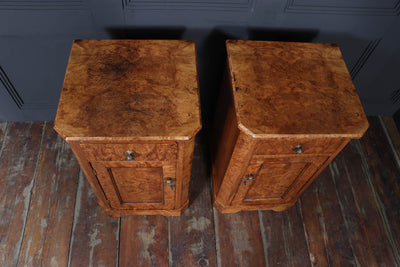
x: 184, y: 170
x: 144, y: 241
x: 224, y: 136
x: 3, y: 127
x: 324, y: 224
x: 285, y: 146
x: 148, y: 151
x: 286, y: 110
x: 349, y: 216
x: 305, y: 88
x: 192, y: 238
x: 239, y: 240
x: 385, y: 181
x: 88, y: 171
x: 125, y: 190
x: 277, y: 180
x: 139, y: 185
x: 367, y: 232
x: 139, y: 95
x: 393, y: 133
x: 115, y: 88
x: 95, y: 235
x: 284, y: 240
x: 235, y: 170
x: 49, y: 222
x: 18, y: 161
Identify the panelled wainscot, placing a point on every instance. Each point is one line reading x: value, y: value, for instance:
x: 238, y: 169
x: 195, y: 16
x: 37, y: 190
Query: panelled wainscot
x: 130, y: 111
x: 285, y: 111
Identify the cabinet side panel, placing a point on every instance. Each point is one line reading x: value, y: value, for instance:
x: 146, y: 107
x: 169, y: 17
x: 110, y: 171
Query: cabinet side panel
x: 238, y: 162
x: 184, y: 170
x: 225, y: 134
x: 87, y: 170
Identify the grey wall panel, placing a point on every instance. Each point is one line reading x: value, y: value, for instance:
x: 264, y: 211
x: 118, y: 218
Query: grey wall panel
x: 352, y: 7
x: 34, y: 69
x: 35, y: 39
x: 197, y: 14
x: 379, y: 78
x: 32, y: 17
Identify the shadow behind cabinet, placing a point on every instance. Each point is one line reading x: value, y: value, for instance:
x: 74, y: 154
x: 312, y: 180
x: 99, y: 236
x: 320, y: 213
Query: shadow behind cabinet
x: 285, y: 111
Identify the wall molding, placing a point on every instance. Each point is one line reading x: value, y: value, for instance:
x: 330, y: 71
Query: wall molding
x: 10, y: 89
x: 17, y: 99
x: 194, y: 5
x: 45, y: 5
x: 344, y: 8
x: 395, y: 96
x: 369, y: 49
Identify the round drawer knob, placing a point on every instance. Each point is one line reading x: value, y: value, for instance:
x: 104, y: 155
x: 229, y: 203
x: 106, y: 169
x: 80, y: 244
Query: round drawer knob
x: 298, y: 149
x: 130, y: 155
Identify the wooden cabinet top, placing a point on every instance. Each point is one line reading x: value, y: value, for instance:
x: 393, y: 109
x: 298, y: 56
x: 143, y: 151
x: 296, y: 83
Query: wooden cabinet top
x: 130, y: 89
x: 285, y: 89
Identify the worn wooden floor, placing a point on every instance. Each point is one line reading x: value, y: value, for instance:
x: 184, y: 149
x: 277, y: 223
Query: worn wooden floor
x: 350, y: 216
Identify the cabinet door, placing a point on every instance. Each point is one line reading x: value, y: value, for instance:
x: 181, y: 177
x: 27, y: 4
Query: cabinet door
x: 137, y: 185
x: 270, y: 180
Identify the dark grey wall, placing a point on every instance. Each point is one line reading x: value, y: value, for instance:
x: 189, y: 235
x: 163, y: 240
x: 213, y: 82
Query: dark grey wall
x: 35, y: 39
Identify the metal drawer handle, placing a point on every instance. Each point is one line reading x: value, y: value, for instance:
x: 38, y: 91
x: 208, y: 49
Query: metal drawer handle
x: 249, y: 177
x: 298, y: 149
x: 130, y: 155
x: 170, y: 183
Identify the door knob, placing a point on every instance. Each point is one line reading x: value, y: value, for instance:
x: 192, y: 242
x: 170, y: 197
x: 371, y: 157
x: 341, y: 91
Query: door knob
x: 130, y: 155
x: 170, y: 183
x: 298, y: 149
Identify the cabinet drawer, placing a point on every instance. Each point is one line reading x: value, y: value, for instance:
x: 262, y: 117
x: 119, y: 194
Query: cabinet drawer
x: 291, y: 146
x: 131, y: 152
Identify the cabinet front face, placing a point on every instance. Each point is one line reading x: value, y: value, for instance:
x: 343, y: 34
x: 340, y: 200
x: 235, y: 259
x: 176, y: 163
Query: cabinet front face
x: 135, y: 176
x: 277, y: 180
x: 137, y: 185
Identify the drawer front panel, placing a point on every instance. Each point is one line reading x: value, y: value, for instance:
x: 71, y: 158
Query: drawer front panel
x: 292, y: 146
x: 166, y: 152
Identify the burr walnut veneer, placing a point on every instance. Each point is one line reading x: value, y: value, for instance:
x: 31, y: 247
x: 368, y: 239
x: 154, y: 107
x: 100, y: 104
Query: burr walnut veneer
x: 130, y: 110
x: 285, y: 111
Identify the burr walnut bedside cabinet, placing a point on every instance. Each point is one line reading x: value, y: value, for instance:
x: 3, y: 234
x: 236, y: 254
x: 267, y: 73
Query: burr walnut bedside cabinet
x: 285, y: 111
x: 130, y: 111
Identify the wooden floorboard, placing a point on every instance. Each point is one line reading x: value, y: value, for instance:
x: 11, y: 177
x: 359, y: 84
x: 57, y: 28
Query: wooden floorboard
x: 365, y: 227
x: 239, y: 239
x: 51, y: 208
x: 49, y: 216
x: 324, y: 224
x: 384, y: 181
x: 144, y: 241
x: 18, y: 161
x: 192, y: 236
x: 95, y: 235
x: 284, y: 239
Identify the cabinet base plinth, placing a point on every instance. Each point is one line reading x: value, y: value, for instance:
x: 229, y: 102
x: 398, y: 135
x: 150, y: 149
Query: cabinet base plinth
x: 121, y: 213
x: 232, y: 209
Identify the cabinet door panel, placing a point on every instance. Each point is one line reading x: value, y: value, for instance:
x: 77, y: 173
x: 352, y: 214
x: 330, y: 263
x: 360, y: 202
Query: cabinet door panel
x: 137, y: 185
x: 276, y: 179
